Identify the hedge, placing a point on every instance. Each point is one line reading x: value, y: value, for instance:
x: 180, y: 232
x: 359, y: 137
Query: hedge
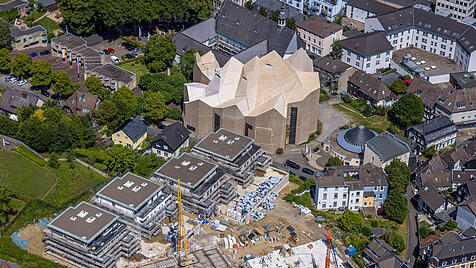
x: 133, y: 42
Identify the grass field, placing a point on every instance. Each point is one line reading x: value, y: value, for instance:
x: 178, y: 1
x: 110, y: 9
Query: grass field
x: 375, y: 122
x: 23, y: 177
x: 72, y: 182
x: 48, y: 24
x: 30, y: 155
x: 135, y: 66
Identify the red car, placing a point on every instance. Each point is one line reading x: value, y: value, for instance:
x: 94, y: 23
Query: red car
x: 111, y: 50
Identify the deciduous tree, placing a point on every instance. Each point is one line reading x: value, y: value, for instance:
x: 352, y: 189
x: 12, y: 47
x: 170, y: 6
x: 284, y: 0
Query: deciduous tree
x: 395, y: 240
x: 171, y: 86
x: 5, y: 60
x: 398, y: 175
x: 155, y: 107
x: 5, y: 205
x: 187, y: 61
x: 350, y: 221
x: 41, y: 74
x: 21, y: 65
x: 119, y: 159
x: 408, y: 110
x: 159, y: 53
x: 398, y: 86
x: 337, y: 49
x: 395, y: 206
x: 63, y: 84
x: 106, y: 113
x: 96, y: 87
x: 5, y: 36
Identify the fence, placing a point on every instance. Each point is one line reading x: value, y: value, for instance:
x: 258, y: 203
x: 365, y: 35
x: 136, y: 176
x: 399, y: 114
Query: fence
x: 20, y: 142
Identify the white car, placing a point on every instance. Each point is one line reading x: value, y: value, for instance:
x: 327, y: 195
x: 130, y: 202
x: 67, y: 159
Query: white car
x: 13, y: 80
x: 22, y: 82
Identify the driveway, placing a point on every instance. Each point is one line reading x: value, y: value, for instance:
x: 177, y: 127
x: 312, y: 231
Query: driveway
x: 24, y: 88
x: 331, y: 119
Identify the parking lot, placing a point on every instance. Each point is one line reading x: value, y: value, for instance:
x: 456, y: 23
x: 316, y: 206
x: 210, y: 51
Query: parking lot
x: 116, y: 45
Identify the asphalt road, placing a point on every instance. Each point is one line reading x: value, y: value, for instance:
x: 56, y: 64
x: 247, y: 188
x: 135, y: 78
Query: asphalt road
x: 412, y: 247
x: 24, y: 88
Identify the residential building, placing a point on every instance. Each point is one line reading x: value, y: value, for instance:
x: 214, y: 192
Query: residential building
x: 459, y: 9
x: 405, y: 3
x: 81, y: 102
x: 23, y: 37
x: 367, y: 52
x: 431, y: 201
x: 326, y: 8
x: 466, y: 215
x: 442, y: 180
x: 331, y: 193
x: 319, y: 34
x: 361, y: 10
x: 239, y: 32
x: 114, y: 77
x: 236, y: 154
x: 439, y: 132
x: 457, y: 158
x: 463, y: 80
x: 131, y: 133
x: 256, y: 99
x: 348, y: 145
x: 291, y: 11
x: 173, y: 138
x: 428, y: 93
x: 88, y: 236
x: 419, y: 28
x: 12, y: 99
x: 466, y: 191
x: 460, y: 253
x: 460, y: 177
x: 333, y: 70
x: 140, y: 203
x: 51, y: 5
x: 367, y: 87
x: 382, y: 149
x: 378, y: 253
x: 22, y: 6
x: 203, y: 184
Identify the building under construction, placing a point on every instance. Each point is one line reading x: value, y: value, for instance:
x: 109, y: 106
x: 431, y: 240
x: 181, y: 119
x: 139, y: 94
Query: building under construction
x: 203, y: 184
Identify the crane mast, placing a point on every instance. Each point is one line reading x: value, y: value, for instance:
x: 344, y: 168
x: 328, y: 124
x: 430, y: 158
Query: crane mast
x: 181, y: 232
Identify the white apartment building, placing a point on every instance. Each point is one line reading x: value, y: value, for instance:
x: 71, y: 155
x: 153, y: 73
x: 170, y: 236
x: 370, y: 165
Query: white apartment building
x: 367, y: 52
x: 299, y: 4
x: 319, y: 34
x: 414, y: 27
x: 331, y: 194
x: 361, y: 10
x: 325, y: 8
x: 459, y: 9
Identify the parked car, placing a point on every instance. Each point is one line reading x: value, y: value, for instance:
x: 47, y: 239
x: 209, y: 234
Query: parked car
x: 131, y: 48
x: 115, y: 59
x: 111, y: 50
x: 134, y: 55
x: 44, y: 52
x: 22, y: 82
x: 303, y: 178
x: 13, y: 80
x: 292, y: 173
x: 291, y: 164
x: 45, y: 93
x: 7, y: 79
x: 105, y: 51
x: 33, y: 54
x: 308, y: 171
x: 319, y: 173
x: 6, y: 142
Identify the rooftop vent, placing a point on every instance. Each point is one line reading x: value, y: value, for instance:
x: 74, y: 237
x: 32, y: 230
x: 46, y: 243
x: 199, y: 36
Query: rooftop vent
x: 131, y: 205
x: 237, y: 138
x: 200, y: 164
x: 99, y: 214
x: 192, y: 168
x: 215, y: 141
x: 223, y: 138
x: 90, y: 219
x: 120, y: 187
x: 185, y: 163
x: 128, y: 184
x: 144, y: 184
x: 230, y: 142
x: 82, y: 214
x: 73, y: 218
x: 136, y: 188
x: 177, y: 166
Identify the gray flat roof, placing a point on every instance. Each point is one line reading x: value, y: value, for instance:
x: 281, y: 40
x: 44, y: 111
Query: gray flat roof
x: 189, y: 169
x: 114, y: 72
x: 387, y: 146
x: 224, y: 144
x: 12, y: 4
x: 69, y: 41
x: 83, y: 222
x: 130, y: 190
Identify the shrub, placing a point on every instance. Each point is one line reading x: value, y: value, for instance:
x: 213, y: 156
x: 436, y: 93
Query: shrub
x: 430, y: 151
x: 366, y: 231
x: 174, y: 113
x: 346, y: 98
x: 368, y: 110
x: 295, y: 179
x: 451, y: 225
x: 53, y: 161
x: 311, y: 137
x: 334, y: 161
x: 358, y: 261
x: 350, y: 221
x: 279, y: 150
x: 395, y: 240
x: 390, y: 71
x: 381, y: 110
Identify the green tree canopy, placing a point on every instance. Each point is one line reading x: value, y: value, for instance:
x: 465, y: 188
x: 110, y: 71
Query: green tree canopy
x: 106, y: 114
x: 291, y: 24
x: 350, y: 221
x: 187, y: 61
x: 21, y: 65
x: 147, y: 164
x: 159, y: 53
x: 5, y: 205
x: 53, y: 160
x: 249, y: 5
x: 398, y: 175
x: 408, y: 110
x: 126, y: 103
x: 5, y: 60
x: 395, y: 240
x: 263, y: 12
x: 337, y: 50
x: 155, y: 107
x: 5, y: 36
x: 398, y: 86
x: 96, y: 87
x: 80, y: 15
x: 63, y: 84
x: 8, y: 126
x: 334, y: 161
x: 170, y: 86
x: 119, y: 159
x: 395, y: 206
x: 430, y: 151
x: 41, y: 73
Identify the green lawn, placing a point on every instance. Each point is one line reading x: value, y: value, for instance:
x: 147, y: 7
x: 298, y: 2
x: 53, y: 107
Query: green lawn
x: 23, y: 177
x: 375, y: 122
x: 72, y: 182
x: 49, y: 24
x: 136, y: 67
x: 30, y: 155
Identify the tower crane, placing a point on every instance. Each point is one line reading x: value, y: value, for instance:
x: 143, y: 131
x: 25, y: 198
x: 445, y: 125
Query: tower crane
x: 181, y: 231
x: 330, y: 251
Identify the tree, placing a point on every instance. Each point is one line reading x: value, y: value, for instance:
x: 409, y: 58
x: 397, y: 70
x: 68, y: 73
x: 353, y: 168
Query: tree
x: 8, y: 127
x: 398, y: 86
x: 159, y: 53
x: 96, y: 87
x: 274, y: 15
x: 5, y: 60
x: 430, y: 151
x: 249, y: 5
x: 41, y: 74
x: 170, y: 86
x: 334, y: 161
x: 119, y: 159
x: 53, y: 161
x: 337, y: 49
x: 63, y: 84
x: 338, y: 20
x: 126, y: 103
x: 147, y: 164
x: 80, y: 15
x: 395, y: 206
x: 5, y: 36
x: 450, y: 225
x: 106, y: 113
x: 174, y: 113
x: 291, y: 24
x: 350, y: 221
x: 408, y: 110
x: 398, y: 175
x: 395, y: 240
x: 199, y: 9
x: 187, y: 61
x: 368, y: 110
x: 263, y: 12
x: 5, y: 205
x: 21, y: 65
x: 155, y: 107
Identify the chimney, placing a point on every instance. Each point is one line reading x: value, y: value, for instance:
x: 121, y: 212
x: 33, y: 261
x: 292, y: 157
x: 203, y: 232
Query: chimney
x: 282, y: 17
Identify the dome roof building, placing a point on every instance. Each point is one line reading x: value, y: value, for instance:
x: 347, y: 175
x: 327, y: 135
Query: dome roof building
x: 354, y: 139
